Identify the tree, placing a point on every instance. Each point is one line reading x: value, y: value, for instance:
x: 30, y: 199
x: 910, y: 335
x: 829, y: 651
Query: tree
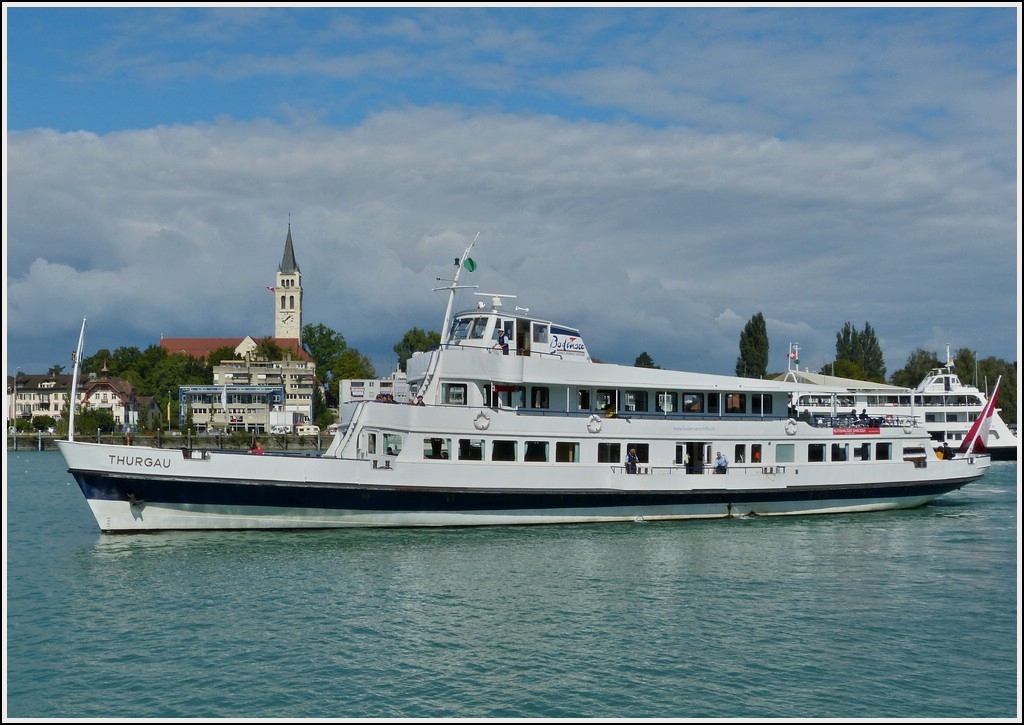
x: 861, y: 349
x: 353, y: 365
x: 643, y: 360
x: 415, y: 340
x: 268, y: 349
x: 919, y: 364
x: 55, y: 370
x: 753, y: 359
x: 323, y: 344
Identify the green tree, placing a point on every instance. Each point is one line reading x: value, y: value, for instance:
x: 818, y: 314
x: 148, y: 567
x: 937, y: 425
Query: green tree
x: 643, y: 360
x: 323, y: 344
x: 55, y: 370
x: 268, y: 349
x: 353, y: 365
x: 753, y: 359
x: 863, y: 350
x: 919, y: 364
x: 415, y: 340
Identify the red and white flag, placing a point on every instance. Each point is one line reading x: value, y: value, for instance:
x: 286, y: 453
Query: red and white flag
x: 978, y: 434
x: 272, y: 289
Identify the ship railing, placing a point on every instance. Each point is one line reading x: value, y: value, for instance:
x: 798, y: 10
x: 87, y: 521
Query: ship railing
x: 735, y: 469
x: 855, y: 421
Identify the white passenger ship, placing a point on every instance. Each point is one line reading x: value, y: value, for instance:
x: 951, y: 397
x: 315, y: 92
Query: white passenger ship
x: 535, y: 436
x: 941, y: 403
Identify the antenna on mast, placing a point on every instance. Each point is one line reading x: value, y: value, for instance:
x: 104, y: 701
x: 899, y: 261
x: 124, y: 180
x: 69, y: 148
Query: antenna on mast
x: 460, y: 263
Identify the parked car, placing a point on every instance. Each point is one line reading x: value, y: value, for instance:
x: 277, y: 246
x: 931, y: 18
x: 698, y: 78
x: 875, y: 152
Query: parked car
x: 281, y: 429
x: 308, y: 430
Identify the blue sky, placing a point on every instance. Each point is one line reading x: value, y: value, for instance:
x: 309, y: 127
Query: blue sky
x: 655, y: 176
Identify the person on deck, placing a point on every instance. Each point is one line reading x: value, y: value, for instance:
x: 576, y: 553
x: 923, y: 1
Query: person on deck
x: 721, y: 463
x: 631, y: 460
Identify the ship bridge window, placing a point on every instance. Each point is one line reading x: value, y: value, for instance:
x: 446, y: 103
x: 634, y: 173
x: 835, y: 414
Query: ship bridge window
x: 460, y: 328
x: 567, y: 452
x: 540, y: 333
x: 693, y: 402
x: 503, y: 451
x: 471, y: 449
x: 476, y: 330
x: 609, y: 452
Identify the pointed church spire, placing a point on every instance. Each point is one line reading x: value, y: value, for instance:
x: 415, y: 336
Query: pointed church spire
x: 288, y: 265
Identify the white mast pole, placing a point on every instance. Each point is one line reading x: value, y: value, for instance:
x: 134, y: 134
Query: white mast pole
x: 452, y: 288
x: 74, y: 382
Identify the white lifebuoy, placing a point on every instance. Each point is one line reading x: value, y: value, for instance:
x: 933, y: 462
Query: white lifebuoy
x: 791, y: 427
x: 594, y: 424
x: 482, y: 421
x: 907, y: 428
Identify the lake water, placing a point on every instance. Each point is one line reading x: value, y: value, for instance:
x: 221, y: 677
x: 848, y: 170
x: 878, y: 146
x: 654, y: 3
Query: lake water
x: 907, y: 614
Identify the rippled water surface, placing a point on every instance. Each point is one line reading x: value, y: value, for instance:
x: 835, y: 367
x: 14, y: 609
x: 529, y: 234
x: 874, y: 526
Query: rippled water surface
x: 910, y: 614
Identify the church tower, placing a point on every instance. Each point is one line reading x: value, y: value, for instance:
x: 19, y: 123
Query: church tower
x: 288, y: 295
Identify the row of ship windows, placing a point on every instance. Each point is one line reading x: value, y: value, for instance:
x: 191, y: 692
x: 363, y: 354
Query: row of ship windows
x: 473, y: 449
x: 639, y: 401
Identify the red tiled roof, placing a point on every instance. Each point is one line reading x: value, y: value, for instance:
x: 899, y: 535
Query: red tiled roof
x: 201, y: 347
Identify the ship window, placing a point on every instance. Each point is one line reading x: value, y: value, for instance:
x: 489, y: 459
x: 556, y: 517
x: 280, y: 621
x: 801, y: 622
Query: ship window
x: 635, y: 401
x: 643, y: 451
x: 371, y: 443
x: 713, y: 403
x: 735, y: 403
x: 541, y: 397
x: 608, y: 452
x: 540, y: 333
x: 476, y: 332
x: 740, y: 454
x: 666, y: 403
x: 862, y: 452
x: 883, y: 451
x: 839, y: 452
x: 536, y: 451
x: 454, y: 393
x: 816, y: 452
x: 503, y: 451
x: 761, y: 404
x: 605, y: 399
x: 583, y: 400
x: 567, y: 452
x: 437, y: 448
x: 392, y: 444
x: 693, y: 402
x: 471, y: 449
x: 785, y: 453
x: 460, y: 328
x: 755, y: 453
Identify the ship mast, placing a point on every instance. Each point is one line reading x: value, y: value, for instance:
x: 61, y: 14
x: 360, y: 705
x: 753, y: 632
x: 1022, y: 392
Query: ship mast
x: 76, y: 358
x: 460, y: 264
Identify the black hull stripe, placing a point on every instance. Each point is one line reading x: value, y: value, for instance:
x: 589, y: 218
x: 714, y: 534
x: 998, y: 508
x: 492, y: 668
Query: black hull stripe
x: 351, y: 498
